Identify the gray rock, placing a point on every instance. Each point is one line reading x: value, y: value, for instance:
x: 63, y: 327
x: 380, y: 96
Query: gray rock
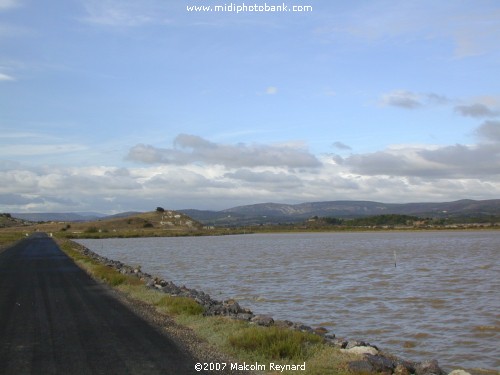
x: 232, y: 307
x: 361, y: 350
x: 301, y: 327
x: 360, y: 367
x: 340, y: 343
x: 244, y: 316
x: 283, y: 323
x: 321, y: 331
x: 401, y: 370
x: 459, y: 372
x: 410, y: 366
x: 381, y: 363
x: 429, y: 368
x: 263, y: 320
x: 354, y: 343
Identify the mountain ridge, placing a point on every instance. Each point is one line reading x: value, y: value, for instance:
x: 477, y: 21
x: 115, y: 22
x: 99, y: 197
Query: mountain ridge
x: 273, y: 213
x: 262, y: 213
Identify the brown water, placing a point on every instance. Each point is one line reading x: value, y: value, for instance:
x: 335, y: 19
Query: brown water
x: 441, y: 301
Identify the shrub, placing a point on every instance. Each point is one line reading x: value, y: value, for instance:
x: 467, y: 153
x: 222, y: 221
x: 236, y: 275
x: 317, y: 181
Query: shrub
x: 92, y: 229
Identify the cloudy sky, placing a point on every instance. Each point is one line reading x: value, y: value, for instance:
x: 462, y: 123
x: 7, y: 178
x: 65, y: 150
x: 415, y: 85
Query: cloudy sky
x: 117, y: 105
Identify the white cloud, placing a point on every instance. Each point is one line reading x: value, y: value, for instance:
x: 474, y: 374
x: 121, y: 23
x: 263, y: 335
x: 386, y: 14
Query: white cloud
x: 477, y: 110
x: 470, y: 30
x: 9, y: 4
x: 271, y: 90
x: 6, y: 77
x: 411, y: 100
x: 8, y: 151
x: 489, y: 131
x: 341, y: 146
x: 401, y: 98
x: 126, y: 13
x: 115, y: 13
x: 197, y: 173
x: 194, y: 149
x: 15, y: 144
x: 481, y: 160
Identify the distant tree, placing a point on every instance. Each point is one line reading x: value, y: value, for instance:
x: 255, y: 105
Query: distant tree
x: 333, y: 220
x: 387, y: 219
x: 160, y: 209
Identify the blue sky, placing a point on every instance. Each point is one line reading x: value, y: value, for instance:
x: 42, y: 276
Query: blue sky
x: 116, y: 105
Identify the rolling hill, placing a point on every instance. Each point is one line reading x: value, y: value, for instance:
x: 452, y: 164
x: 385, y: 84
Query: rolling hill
x: 269, y: 213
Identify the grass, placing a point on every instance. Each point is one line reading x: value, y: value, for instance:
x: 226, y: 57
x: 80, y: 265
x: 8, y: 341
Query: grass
x: 9, y: 237
x: 109, y: 275
x: 274, y: 342
x: 180, y: 305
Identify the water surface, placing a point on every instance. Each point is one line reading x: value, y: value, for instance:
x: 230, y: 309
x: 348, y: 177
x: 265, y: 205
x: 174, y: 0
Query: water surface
x: 441, y: 301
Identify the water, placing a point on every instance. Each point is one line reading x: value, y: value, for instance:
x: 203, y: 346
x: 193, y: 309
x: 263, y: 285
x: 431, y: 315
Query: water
x: 441, y: 301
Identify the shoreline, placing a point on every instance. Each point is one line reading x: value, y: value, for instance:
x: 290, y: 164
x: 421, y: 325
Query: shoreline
x: 374, y: 360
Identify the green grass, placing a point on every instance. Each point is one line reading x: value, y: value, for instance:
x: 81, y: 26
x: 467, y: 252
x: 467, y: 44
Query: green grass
x: 109, y: 275
x: 275, y: 342
x: 180, y: 305
x: 9, y: 237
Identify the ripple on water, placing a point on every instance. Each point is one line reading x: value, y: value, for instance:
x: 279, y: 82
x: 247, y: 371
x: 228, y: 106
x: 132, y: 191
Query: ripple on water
x: 441, y: 300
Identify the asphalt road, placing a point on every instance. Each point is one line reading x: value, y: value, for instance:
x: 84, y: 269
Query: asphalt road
x: 54, y: 319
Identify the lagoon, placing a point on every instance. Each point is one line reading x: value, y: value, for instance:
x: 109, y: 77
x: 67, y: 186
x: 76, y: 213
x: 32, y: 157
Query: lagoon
x: 441, y: 301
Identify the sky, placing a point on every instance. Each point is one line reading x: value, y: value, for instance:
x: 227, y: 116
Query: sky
x: 117, y: 105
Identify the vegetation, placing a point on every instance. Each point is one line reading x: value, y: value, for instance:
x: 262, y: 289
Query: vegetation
x: 180, y: 305
x: 7, y: 221
x: 381, y: 220
x: 8, y: 237
x: 275, y: 342
x: 394, y: 221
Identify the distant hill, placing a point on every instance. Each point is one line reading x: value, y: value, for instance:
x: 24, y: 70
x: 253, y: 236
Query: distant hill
x: 7, y: 221
x: 58, y: 216
x: 144, y: 224
x: 272, y: 213
x: 121, y: 215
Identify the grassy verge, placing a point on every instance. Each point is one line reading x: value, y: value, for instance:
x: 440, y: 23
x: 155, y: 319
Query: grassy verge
x: 9, y: 237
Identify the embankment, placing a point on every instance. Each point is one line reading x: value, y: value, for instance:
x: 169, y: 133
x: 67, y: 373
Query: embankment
x: 363, y: 357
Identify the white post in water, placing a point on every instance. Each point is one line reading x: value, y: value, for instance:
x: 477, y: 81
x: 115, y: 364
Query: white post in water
x: 395, y: 259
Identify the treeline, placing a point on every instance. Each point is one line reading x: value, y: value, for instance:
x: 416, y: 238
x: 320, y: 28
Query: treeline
x: 378, y: 220
x: 405, y: 220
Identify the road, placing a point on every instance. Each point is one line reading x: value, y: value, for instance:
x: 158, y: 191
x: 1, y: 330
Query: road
x: 55, y: 319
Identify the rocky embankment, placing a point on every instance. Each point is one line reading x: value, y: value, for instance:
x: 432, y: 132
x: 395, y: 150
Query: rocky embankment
x: 373, y: 360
